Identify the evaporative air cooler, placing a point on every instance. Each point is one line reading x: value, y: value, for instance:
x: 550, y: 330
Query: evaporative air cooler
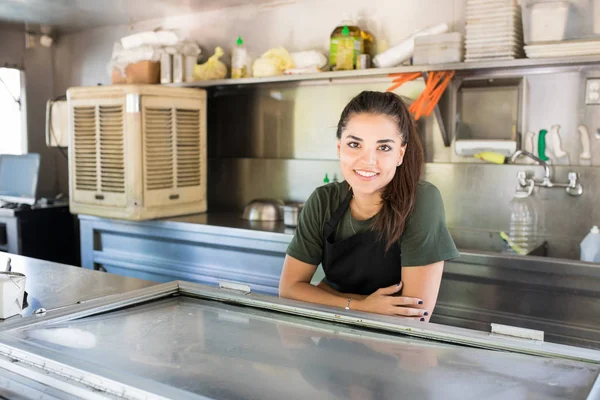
x: 137, y: 151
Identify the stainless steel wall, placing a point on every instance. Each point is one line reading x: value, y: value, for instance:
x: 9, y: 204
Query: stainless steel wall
x: 279, y: 141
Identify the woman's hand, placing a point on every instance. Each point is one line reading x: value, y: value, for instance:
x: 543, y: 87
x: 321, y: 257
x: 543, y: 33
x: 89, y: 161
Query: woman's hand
x: 384, y: 302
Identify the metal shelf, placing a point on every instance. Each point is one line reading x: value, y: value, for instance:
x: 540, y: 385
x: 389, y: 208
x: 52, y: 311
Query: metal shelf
x: 544, y: 64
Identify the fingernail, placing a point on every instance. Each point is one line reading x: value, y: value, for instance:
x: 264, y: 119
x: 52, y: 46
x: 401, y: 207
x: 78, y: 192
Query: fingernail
x: 420, y: 301
x: 425, y: 313
x: 422, y: 319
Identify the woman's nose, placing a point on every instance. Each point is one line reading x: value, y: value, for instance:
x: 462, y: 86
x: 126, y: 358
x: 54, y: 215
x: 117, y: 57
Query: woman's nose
x: 369, y: 157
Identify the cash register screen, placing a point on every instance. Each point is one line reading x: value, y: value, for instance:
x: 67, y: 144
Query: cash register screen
x: 19, y: 177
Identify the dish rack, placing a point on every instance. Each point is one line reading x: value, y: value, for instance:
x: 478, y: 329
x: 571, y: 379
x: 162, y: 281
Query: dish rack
x: 137, y: 151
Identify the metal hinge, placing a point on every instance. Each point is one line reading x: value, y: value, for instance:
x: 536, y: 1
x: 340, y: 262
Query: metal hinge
x: 236, y: 287
x: 516, y: 332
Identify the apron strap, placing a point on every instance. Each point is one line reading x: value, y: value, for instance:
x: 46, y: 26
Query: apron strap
x: 337, y: 215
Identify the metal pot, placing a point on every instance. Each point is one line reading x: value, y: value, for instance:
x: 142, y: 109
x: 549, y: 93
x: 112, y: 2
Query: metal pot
x: 291, y: 211
x: 264, y: 210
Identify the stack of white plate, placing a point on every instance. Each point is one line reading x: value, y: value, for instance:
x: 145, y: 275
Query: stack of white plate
x: 564, y: 49
x: 493, y: 30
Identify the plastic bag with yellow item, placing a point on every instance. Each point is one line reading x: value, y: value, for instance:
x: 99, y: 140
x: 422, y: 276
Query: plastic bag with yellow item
x: 272, y: 63
x: 211, y: 69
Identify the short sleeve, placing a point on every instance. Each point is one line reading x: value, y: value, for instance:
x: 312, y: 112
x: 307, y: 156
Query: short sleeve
x: 426, y: 239
x: 307, y: 243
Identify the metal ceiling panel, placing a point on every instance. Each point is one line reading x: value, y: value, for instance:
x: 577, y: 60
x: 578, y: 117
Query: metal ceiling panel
x: 69, y: 16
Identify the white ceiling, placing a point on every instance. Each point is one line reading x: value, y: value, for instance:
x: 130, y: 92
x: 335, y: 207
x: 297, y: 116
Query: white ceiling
x: 68, y: 16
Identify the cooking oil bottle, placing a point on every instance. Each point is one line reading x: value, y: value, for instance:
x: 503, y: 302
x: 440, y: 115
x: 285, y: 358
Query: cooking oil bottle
x: 346, y: 44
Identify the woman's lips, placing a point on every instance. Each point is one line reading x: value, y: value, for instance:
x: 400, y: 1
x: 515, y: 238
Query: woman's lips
x: 366, y: 175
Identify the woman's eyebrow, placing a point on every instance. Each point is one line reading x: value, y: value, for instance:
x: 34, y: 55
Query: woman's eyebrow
x: 379, y: 141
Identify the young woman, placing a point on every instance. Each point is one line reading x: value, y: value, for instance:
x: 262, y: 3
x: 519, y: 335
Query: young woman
x: 380, y: 233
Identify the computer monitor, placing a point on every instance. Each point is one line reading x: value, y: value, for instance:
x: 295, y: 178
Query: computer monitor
x: 19, y: 178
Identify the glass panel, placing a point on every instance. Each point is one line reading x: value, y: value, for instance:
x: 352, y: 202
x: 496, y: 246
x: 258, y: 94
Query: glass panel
x: 225, y: 351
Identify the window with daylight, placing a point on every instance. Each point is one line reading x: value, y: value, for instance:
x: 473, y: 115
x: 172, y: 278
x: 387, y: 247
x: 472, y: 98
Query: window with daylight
x: 13, y: 139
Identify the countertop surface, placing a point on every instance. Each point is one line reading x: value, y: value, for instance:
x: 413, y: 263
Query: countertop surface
x: 214, y: 222
x: 50, y: 285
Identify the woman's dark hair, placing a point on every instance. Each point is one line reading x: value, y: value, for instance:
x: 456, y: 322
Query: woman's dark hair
x: 398, y: 197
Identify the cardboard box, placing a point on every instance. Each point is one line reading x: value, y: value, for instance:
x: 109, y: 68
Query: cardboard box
x: 142, y: 72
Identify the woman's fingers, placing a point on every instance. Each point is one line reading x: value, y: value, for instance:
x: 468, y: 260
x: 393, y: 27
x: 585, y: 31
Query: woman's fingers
x: 406, y: 301
x: 411, y: 312
x: 387, y: 291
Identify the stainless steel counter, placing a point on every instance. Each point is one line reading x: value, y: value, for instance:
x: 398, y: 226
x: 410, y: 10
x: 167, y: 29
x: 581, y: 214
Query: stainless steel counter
x: 50, y: 285
x: 188, y: 341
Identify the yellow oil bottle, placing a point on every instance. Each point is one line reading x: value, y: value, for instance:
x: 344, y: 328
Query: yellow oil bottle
x: 346, y: 44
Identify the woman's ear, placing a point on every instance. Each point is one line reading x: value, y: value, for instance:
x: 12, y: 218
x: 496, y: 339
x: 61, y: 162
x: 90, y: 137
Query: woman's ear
x: 401, y: 155
x: 339, y: 143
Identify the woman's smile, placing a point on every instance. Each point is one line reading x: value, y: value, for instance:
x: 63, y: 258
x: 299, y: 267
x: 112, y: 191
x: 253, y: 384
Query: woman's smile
x: 366, y: 175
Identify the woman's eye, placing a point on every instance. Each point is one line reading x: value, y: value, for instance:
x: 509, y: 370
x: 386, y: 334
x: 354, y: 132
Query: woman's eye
x: 353, y: 145
x: 385, y: 147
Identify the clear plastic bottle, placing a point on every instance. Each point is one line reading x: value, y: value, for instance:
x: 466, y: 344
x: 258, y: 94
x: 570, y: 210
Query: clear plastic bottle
x: 523, y: 222
x: 239, y: 60
x: 590, y: 246
x: 366, y: 35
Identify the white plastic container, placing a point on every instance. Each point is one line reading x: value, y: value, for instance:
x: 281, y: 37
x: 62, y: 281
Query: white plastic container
x: 396, y: 55
x: 590, y: 246
x: 554, y: 20
x: 438, y: 49
x: 189, y: 62
x: 166, y: 68
x: 12, y: 292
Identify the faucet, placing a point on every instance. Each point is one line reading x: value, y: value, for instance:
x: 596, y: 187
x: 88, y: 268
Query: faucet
x: 573, y: 188
x: 546, y: 182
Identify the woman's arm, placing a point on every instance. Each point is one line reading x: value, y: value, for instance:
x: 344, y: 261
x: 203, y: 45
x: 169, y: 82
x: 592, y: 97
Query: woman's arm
x: 423, y: 282
x: 331, y: 290
x: 295, y: 284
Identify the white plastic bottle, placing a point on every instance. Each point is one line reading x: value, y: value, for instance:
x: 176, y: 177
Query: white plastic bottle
x: 590, y: 246
x: 523, y: 222
x: 239, y: 60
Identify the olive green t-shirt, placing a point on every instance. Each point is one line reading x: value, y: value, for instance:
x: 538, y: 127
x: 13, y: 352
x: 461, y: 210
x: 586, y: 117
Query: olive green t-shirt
x: 425, y: 239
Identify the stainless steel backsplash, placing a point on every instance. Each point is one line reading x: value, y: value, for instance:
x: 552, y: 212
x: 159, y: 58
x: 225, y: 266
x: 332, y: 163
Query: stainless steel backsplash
x: 279, y: 141
x: 476, y: 197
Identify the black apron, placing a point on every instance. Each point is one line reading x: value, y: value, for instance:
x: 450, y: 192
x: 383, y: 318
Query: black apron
x: 360, y: 263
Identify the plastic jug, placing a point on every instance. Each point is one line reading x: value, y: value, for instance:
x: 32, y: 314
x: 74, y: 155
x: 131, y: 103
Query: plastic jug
x: 523, y: 222
x: 590, y: 246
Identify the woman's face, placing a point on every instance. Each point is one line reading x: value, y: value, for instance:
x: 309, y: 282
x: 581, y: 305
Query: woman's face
x: 370, y: 150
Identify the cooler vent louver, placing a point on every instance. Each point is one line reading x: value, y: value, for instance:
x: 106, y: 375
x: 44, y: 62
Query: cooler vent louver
x: 158, y: 126
x: 84, y: 127
x: 98, y: 133
x: 112, y: 166
x: 188, y: 148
